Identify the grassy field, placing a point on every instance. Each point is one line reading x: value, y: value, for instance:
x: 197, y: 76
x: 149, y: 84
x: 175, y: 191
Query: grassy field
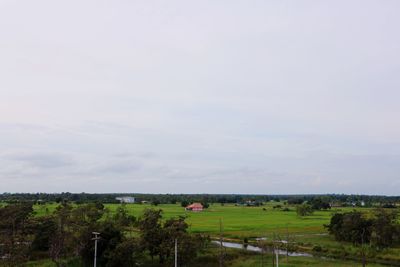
x: 238, y: 221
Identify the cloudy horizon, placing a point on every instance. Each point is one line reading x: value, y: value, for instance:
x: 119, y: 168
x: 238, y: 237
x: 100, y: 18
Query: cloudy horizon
x: 267, y: 97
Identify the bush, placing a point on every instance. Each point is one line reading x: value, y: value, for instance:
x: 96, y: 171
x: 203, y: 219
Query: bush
x: 304, y: 210
x: 317, y: 248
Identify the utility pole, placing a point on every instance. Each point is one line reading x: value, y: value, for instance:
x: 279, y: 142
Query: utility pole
x: 176, y: 252
x: 96, y: 237
x: 363, y: 260
x: 221, y: 240
x: 273, y: 255
x: 276, y: 251
x: 277, y: 258
x: 273, y: 250
x: 287, y: 243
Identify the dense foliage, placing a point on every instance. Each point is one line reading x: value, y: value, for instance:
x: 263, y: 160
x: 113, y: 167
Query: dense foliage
x: 14, y: 231
x: 67, y: 235
x: 379, y: 230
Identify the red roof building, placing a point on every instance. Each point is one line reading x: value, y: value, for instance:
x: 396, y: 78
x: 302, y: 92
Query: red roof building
x: 195, y: 207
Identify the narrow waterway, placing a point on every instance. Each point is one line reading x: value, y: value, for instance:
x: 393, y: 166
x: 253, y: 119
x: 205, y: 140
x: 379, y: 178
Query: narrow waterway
x: 258, y: 249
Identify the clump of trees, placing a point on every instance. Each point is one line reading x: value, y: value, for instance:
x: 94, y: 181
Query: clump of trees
x: 66, y: 235
x: 307, y: 208
x: 380, y: 230
x: 304, y: 210
x: 320, y: 203
x: 159, y: 238
x: 14, y: 231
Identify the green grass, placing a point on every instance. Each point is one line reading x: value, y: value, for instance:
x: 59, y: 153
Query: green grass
x: 239, y: 221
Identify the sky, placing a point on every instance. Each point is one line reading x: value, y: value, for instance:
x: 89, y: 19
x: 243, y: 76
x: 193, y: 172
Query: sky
x: 259, y: 97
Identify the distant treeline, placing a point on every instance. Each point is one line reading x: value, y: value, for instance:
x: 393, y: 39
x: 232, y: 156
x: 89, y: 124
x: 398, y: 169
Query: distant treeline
x: 341, y: 199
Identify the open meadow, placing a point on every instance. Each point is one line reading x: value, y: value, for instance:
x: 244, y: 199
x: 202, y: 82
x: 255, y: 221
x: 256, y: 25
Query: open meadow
x: 238, y: 221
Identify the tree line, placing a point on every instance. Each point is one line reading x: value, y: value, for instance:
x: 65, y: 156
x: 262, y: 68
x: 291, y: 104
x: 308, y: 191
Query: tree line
x: 344, y: 200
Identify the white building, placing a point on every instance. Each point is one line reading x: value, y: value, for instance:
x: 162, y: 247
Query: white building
x: 126, y: 199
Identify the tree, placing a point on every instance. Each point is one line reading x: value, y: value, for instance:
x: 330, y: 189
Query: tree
x: 156, y: 202
x: 184, y: 203
x: 385, y: 229
x: 127, y: 253
x: 151, y: 231
x: 122, y: 217
x: 67, y: 234
x: 14, y: 230
x: 159, y: 239
x: 110, y: 237
x: 320, y: 203
x: 205, y: 204
x: 173, y: 228
x: 351, y: 227
x: 366, y: 233
x: 43, y: 230
x: 88, y: 219
x: 381, y: 231
x: 189, y: 246
x: 304, y: 210
x: 60, y: 243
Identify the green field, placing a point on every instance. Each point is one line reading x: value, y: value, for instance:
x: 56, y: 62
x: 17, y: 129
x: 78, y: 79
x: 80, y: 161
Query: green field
x: 238, y: 221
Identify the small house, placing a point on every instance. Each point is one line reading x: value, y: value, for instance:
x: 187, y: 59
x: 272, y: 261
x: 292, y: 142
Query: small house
x: 195, y: 207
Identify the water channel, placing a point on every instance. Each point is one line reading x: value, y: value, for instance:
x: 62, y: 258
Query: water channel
x: 258, y: 249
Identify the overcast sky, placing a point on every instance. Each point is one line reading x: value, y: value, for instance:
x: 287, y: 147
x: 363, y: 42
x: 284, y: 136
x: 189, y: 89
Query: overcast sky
x: 200, y: 96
